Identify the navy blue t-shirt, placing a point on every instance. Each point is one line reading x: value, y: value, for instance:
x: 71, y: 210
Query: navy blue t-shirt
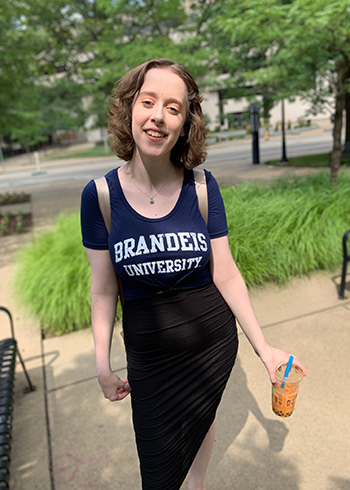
x: 155, y: 254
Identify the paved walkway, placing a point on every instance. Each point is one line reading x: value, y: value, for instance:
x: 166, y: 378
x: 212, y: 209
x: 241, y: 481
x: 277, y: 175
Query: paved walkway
x: 67, y: 436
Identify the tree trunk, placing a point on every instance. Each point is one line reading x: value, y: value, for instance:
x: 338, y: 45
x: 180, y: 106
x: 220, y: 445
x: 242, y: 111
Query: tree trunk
x: 343, y: 69
x: 29, y: 155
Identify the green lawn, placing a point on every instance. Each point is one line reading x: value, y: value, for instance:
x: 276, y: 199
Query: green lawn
x: 96, y: 151
x: 321, y: 160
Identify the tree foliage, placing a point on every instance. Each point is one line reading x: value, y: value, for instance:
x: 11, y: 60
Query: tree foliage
x: 284, y: 48
x: 18, y: 47
x: 72, y: 54
x: 322, y: 36
x: 60, y: 59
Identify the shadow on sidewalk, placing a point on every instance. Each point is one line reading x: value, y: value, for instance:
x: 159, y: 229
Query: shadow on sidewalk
x: 243, y: 455
x: 93, y: 440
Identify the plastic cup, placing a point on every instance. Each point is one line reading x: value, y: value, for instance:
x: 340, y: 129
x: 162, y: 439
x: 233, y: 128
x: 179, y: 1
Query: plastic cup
x: 283, y: 399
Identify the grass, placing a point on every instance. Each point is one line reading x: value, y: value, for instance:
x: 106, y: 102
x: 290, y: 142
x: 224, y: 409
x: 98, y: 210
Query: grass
x: 321, y: 160
x: 96, y: 151
x: 288, y: 228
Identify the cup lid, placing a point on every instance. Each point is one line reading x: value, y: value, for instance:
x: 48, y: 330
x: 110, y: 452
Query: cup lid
x: 295, y: 374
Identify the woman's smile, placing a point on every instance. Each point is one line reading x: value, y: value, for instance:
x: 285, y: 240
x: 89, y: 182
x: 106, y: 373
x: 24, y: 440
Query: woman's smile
x: 155, y: 134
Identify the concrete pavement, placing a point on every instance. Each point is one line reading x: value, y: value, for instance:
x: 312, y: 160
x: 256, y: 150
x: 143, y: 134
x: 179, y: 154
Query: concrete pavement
x: 67, y: 436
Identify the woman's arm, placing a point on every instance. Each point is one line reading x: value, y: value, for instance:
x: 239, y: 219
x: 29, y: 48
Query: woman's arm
x: 228, y: 280
x: 104, y: 296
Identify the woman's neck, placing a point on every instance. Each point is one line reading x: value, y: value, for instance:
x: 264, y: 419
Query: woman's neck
x: 152, y: 190
x: 153, y: 171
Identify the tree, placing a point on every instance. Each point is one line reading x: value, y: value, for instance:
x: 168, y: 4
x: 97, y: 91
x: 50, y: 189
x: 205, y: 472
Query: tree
x: 85, y: 46
x: 61, y: 106
x: 35, y: 100
x: 239, y: 38
x: 135, y: 31
x: 17, y: 48
x: 284, y: 48
x: 328, y: 48
x: 29, y: 127
x: 95, y: 42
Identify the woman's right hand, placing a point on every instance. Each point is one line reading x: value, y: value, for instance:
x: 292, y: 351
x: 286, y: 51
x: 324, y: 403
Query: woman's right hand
x: 113, y: 387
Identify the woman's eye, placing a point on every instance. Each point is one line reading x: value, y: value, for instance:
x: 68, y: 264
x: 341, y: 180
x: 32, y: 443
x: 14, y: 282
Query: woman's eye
x: 174, y: 110
x: 147, y: 103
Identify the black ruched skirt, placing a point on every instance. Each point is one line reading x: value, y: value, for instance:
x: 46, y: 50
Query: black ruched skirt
x: 181, y: 347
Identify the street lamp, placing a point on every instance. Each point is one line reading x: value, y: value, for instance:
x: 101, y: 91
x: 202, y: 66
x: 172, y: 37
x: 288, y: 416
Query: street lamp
x: 284, y: 158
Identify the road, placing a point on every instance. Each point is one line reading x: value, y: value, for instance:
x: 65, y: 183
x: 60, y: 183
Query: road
x: 225, y: 158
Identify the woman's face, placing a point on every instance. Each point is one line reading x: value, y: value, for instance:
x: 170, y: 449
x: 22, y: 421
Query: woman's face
x: 159, y: 113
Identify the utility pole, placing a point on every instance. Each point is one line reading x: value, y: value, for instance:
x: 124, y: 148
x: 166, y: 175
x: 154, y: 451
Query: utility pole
x: 254, y: 122
x: 346, y: 147
x: 284, y: 158
x: 2, y: 160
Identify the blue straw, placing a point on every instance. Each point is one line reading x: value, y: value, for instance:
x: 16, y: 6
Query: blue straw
x: 286, y: 372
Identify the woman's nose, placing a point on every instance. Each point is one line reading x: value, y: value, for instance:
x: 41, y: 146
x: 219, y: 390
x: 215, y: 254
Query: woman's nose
x: 158, y: 114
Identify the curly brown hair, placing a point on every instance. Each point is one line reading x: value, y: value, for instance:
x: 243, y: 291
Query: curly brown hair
x: 190, y: 149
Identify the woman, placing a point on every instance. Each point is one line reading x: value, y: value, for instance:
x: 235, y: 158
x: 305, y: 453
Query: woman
x: 181, y: 287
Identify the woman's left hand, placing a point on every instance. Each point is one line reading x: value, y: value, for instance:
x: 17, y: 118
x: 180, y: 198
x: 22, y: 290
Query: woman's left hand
x: 272, y: 358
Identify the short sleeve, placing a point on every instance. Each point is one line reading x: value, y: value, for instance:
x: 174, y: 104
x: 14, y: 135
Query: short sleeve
x: 217, y: 223
x: 93, y: 229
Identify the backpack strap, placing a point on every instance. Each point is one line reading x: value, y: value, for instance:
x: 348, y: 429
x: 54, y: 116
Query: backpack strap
x: 202, y: 193
x: 105, y: 208
x: 104, y: 201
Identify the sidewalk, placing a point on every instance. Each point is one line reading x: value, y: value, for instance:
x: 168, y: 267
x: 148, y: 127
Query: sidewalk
x: 88, y: 442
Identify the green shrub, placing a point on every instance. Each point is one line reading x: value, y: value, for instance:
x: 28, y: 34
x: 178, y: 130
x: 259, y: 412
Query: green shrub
x: 288, y: 228
x: 53, y: 278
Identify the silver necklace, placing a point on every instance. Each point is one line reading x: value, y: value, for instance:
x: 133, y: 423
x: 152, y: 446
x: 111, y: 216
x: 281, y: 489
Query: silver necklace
x: 151, y: 199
